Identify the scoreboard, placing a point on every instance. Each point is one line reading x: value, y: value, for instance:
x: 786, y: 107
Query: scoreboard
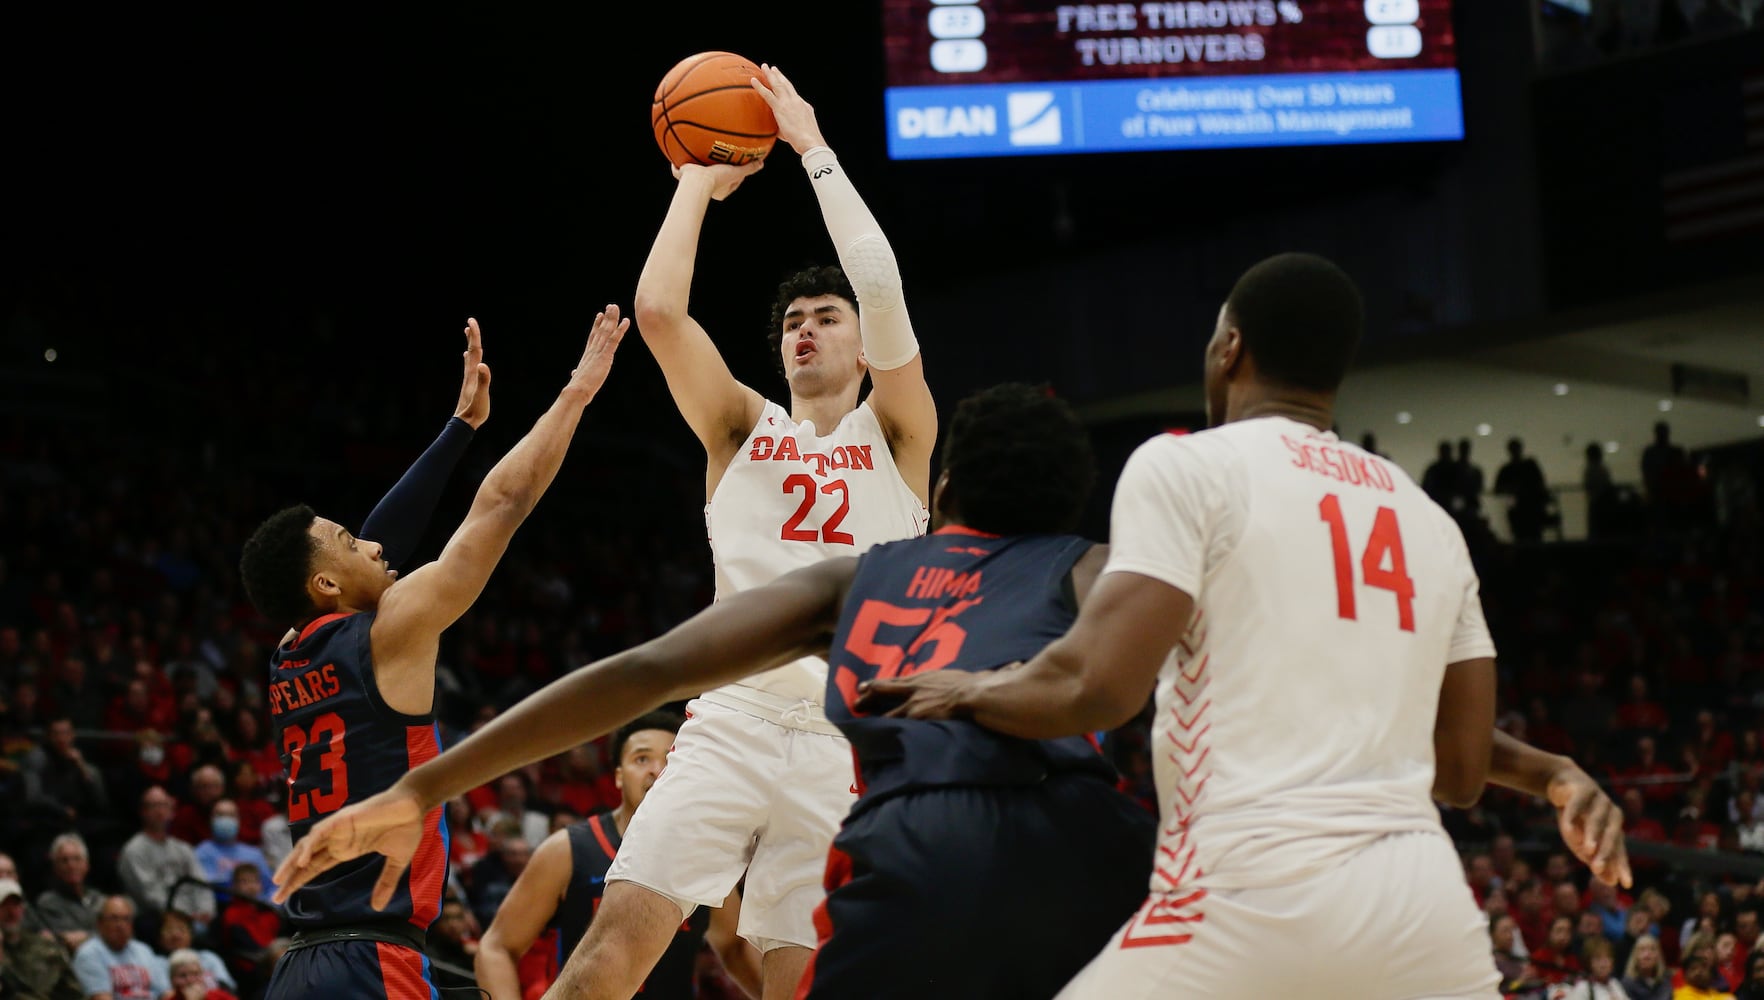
x: 1022, y: 77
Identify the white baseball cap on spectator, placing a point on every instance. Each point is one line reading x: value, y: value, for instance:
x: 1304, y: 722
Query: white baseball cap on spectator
x: 10, y: 888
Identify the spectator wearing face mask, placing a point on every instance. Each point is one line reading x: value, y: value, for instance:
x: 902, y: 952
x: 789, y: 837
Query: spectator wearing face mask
x: 223, y: 851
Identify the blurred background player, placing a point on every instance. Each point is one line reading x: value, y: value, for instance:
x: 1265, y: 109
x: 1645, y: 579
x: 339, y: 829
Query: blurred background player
x: 352, y: 692
x: 563, y: 883
x: 1323, y: 673
x: 784, y: 488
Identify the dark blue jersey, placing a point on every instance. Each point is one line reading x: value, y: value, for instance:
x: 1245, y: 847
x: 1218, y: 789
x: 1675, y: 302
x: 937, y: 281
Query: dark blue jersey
x: 340, y: 744
x: 953, y: 600
x: 593, y: 843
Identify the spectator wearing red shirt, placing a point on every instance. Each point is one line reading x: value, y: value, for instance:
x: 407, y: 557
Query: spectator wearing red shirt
x: 252, y: 746
x: 246, y: 925
x: 1565, y: 902
x: 135, y: 710
x: 1479, y: 873
x: 254, y: 809
x: 586, y: 787
x: 1556, y: 962
x: 1543, y: 732
x: 1502, y: 854
x: 1714, y: 746
x: 207, y: 786
x: 1686, y: 668
x: 1650, y: 774
x: 1695, y: 829
x: 466, y: 844
x: 1532, y: 913
x: 1730, y: 959
x: 1639, y: 711
x: 1636, y: 821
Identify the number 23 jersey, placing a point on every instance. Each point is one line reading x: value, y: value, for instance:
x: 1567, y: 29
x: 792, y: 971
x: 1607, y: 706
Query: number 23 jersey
x: 793, y: 497
x: 341, y: 743
x: 1295, y: 718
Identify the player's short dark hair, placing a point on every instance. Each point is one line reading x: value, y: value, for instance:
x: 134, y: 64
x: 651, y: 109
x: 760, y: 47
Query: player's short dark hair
x: 1018, y: 460
x: 658, y: 719
x: 1300, y: 317
x: 806, y: 284
x: 275, y: 563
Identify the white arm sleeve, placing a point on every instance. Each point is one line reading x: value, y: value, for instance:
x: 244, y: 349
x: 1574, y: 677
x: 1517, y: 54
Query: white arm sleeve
x: 868, y: 262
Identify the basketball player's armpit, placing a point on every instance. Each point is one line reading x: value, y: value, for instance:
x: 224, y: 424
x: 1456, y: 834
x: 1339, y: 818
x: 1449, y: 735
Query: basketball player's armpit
x: 1463, y: 732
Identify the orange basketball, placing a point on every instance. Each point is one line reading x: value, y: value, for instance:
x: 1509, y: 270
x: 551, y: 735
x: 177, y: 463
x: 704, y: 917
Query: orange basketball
x: 706, y: 112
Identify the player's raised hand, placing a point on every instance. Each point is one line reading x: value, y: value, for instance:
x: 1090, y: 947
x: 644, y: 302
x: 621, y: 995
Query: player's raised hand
x: 796, y: 117
x: 1591, y: 825
x: 937, y: 695
x: 597, y: 357
x: 390, y: 823
x: 724, y: 178
x: 474, y: 390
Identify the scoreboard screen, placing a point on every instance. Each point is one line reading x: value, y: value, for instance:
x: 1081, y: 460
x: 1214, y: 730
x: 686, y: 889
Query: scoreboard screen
x: 1018, y: 77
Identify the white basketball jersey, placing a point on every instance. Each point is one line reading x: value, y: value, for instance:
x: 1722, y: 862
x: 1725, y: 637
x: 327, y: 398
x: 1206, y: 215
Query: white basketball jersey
x: 1295, y: 719
x: 792, y: 497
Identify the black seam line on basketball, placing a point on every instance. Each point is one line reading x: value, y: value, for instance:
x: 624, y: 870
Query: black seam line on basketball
x: 688, y: 72
x: 677, y: 105
x: 724, y: 131
x: 690, y: 155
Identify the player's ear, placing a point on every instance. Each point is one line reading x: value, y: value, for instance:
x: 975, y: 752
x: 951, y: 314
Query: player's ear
x: 940, y: 495
x: 1231, y: 353
x: 322, y: 585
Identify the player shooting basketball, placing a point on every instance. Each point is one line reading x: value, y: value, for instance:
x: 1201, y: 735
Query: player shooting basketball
x: 784, y: 487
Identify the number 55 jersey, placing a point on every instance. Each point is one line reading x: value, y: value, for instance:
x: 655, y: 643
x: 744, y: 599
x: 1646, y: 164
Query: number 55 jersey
x: 341, y: 743
x: 1295, y: 719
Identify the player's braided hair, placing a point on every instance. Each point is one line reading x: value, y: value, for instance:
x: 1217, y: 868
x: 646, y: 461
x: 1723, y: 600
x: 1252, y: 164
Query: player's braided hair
x: 814, y: 282
x: 659, y: 719
x: 1018, y: 460
x: 1300, y: 316
x: 276, y: 562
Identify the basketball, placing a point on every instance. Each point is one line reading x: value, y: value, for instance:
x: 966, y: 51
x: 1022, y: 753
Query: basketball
x: 706, y: 111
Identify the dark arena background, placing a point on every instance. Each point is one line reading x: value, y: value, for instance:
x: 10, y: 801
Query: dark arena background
x: 241, y: 243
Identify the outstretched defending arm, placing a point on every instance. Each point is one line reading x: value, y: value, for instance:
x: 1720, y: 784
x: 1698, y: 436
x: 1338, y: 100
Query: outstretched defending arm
x: 901, y: 399
x: 416, y: 609
x: 398, y: 520
x: 750, y: 632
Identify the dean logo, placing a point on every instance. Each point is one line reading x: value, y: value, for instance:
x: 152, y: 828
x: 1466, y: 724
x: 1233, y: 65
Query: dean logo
x: 821, y: 172
x: 1034, y: 118
x: 946, y: 123
x: 727, y: 152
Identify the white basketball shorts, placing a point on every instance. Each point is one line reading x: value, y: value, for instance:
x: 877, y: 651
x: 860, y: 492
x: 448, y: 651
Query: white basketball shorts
x: 1397, y: 922
x: 743, y: 793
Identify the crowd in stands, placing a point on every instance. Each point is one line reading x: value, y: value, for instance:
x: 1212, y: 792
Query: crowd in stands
x: 144, y: 816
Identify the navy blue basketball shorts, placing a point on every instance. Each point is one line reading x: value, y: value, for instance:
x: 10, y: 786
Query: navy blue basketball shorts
x: 979, y: 892
x: 368, y: 970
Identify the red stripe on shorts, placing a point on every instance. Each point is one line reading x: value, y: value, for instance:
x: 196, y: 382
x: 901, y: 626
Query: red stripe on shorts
x: 401, y: 971
x: 838, y: 875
